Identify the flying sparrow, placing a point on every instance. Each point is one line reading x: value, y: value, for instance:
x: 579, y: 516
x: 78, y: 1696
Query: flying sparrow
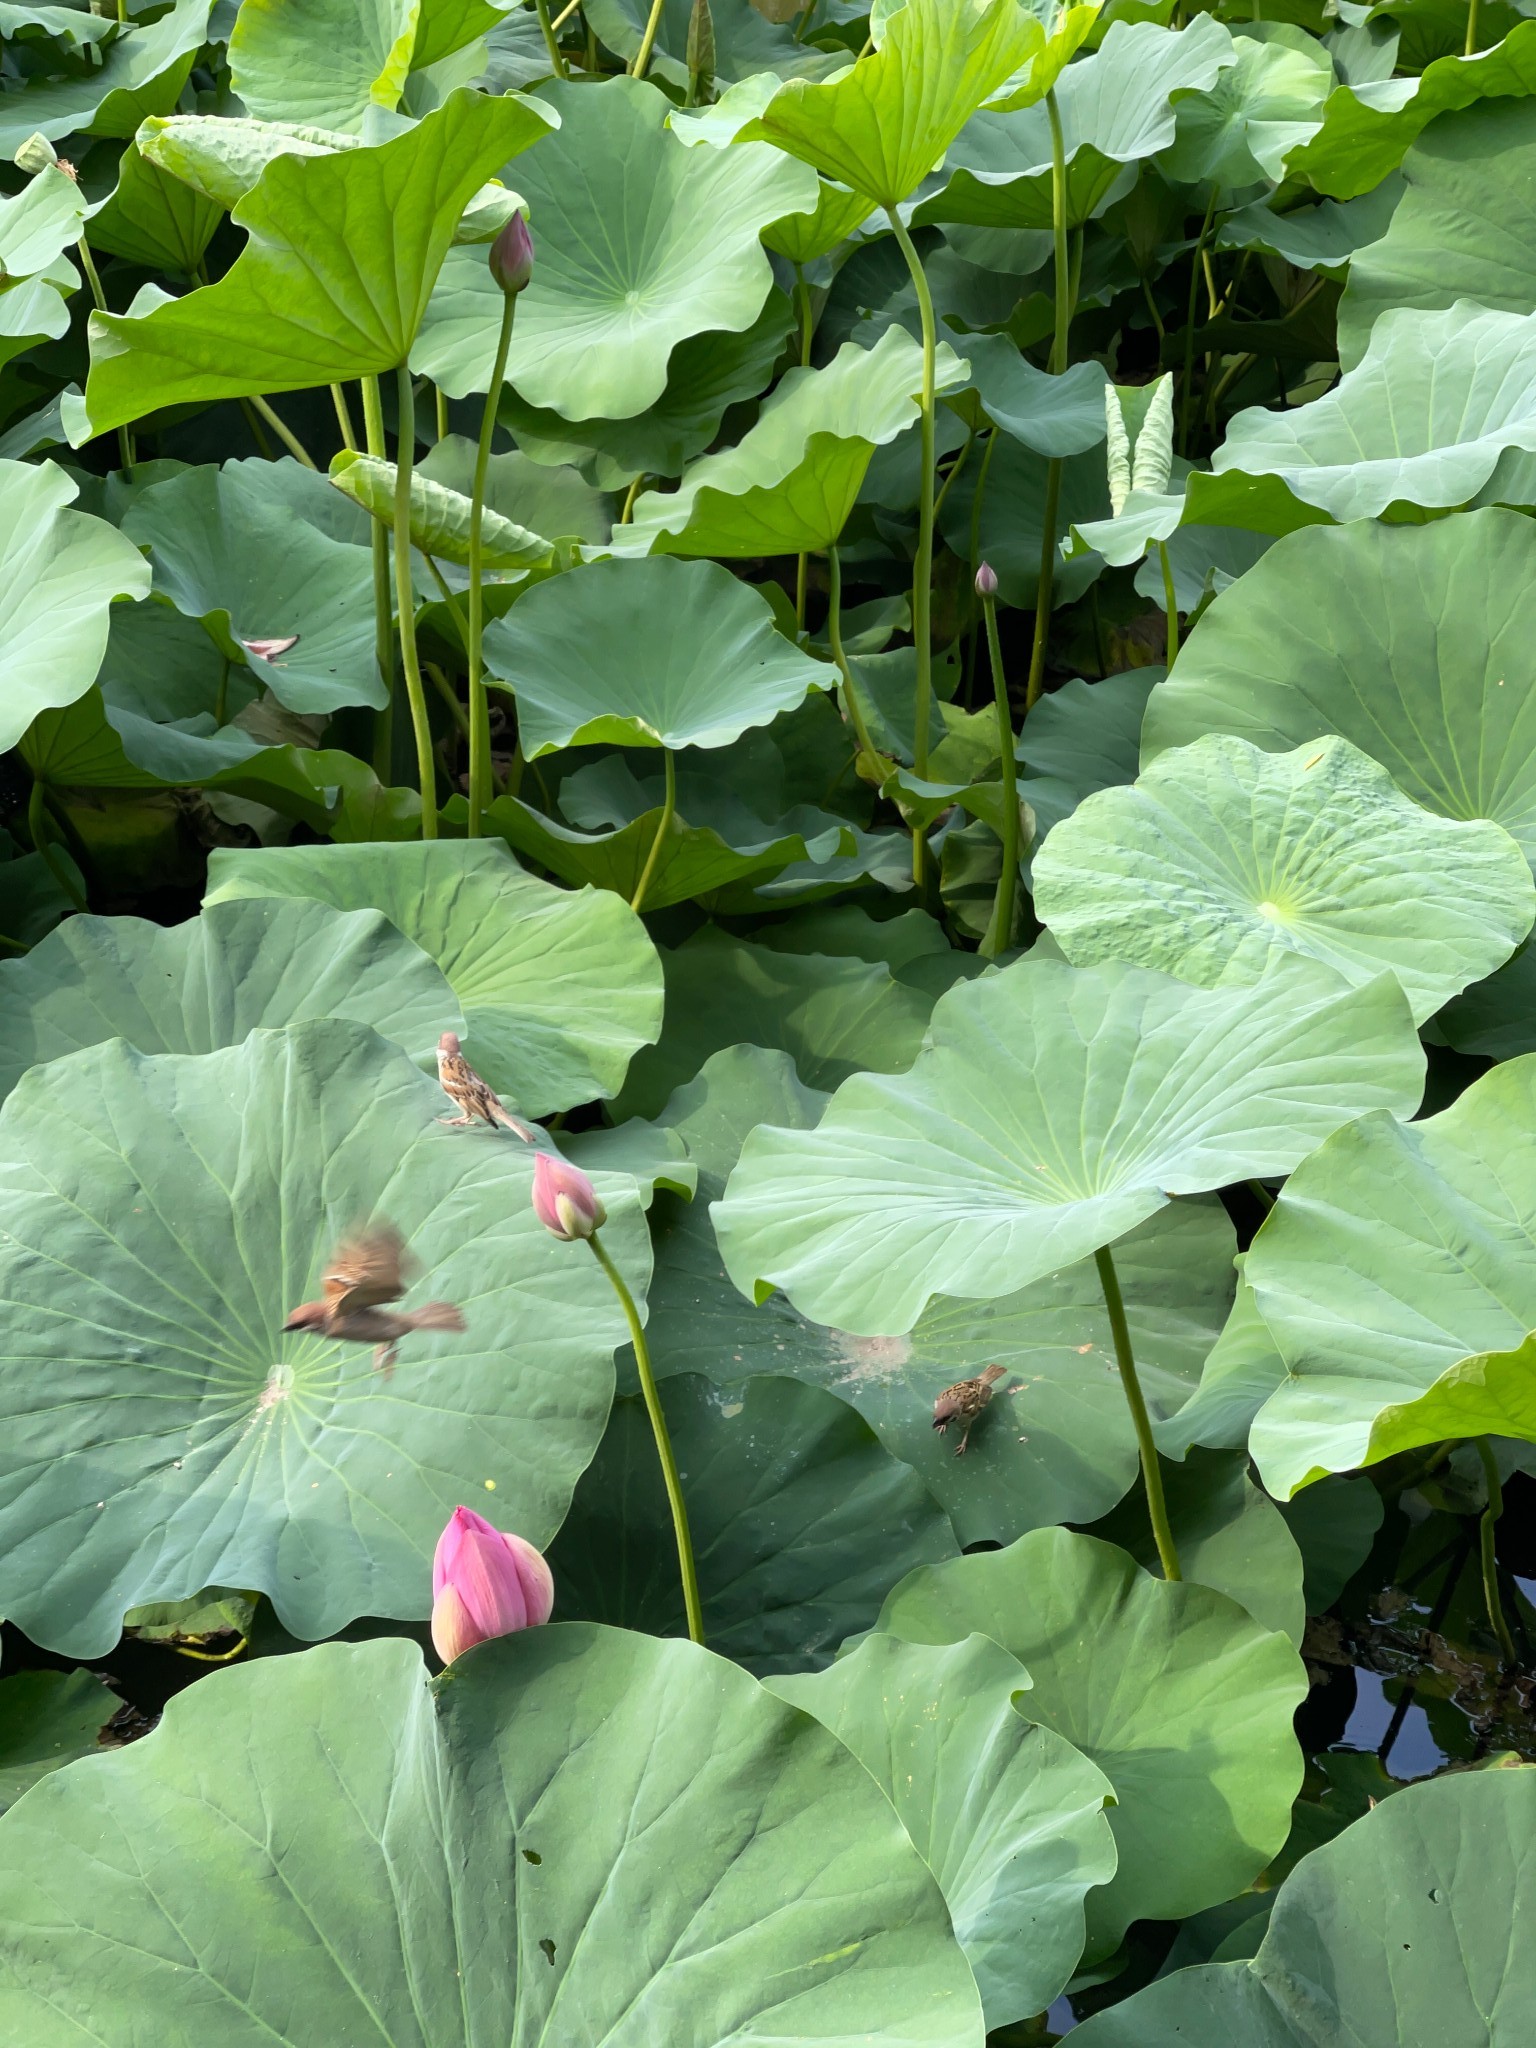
x: 476, y: 1100
x: 964, y: 1402
x: 367, y: 1269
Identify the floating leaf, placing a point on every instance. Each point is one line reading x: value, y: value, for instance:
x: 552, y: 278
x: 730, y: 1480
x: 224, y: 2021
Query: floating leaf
x: 1008, y: 1816
x: 1182, y: 1700
x: 558, y: 989
x: 162, y: 1216
x: 1222, y: 857
x: 1051, y: 1110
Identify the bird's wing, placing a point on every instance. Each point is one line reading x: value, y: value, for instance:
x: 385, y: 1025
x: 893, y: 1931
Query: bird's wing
x: 367, y: 1268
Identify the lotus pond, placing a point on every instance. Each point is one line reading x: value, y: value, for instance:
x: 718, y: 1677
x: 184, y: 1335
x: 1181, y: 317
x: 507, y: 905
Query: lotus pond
x: 767, y: 1023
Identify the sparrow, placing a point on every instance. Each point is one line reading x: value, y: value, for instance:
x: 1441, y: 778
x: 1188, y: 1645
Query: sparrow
x: 965, y: 1401
x: 367, y: 1269
x: 477, y: 1100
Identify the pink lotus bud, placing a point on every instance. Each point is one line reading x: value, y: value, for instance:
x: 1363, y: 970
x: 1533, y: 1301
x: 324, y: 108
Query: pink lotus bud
x: 484, y: 1583
x: 511, y: 257
x: 564, y: 1200
x: 986, y: 581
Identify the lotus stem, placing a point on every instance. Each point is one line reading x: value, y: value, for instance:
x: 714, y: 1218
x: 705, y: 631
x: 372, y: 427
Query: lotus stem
x: 663, y: 827
x: 647, y: 41
x: 547, y: 28
x: 999, y: 934
x: 1151, y: 1473
x: 674, y: 1485
x: 954, y: 470
x: 99, y: 297
x: 802, y: 302
x: 922, y: 568
x: 383, y: 610
x: 835, y: 635
x: 627, y: 510
x: 1170, y: 603
x: 1044, y: 588
x: 221, y: 697
x: 479, y: 709
x: 285, y: 434
x: 1471, y: 49
x: 37, y: 825
x: 343, y: 416
x: 1060, y: 347
x: 405, y: 597
x: 1486, y: 1529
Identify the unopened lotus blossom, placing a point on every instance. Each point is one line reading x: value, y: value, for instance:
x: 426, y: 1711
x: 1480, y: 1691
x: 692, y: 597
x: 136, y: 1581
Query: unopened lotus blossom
x: 986, y: 580
x: 511, y: 257
x: 564, y: 1200
x: 485, y: 1583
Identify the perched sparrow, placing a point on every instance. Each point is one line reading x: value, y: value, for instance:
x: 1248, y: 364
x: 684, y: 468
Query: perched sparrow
x: 367, y: 1269
x: 477, y: 1100
x: 965, y: 1401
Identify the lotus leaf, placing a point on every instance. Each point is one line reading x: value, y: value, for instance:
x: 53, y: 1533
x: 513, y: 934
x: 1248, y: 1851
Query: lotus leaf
x: 746, y: 44
x: 1240, y: 129
x: 59, y: 572
x: 1364, y: 659
x: 1051, y: 1110
x: 334, y: 280
x: 1222, y: 857
x: 1242, y: 1370
x: 212, y: 981
x: 1415, y: 1325
x: 163, y: 1215
x: 558, y: 989
x: 439, y: 517
x: 801, y: 1522
x: 1182, y: 1700
x: 779, y: 1887
x: 322, y: 62
x: 1009, y: 1817
x: 154, y: 219
x: 49, y: 1718
x: 1401, y: 1928
x: 142, y: 71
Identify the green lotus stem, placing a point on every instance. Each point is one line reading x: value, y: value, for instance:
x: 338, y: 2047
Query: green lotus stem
x: 1188, y: 381
x: 627, y: 512
x: 974, y: 560
x: 445, y: 690
x: 922, y: 568
x: 1170, y: 603
x: 547, y: 28
x: 565, y: 14
x: 285, y: 434
x: 1060, y: 347
x: 803, y: 304
x: 1486, y: 1529
x: 87, y: 264
x: 808, y: 15
x: 1151, y: 1474
x: 383, y: 609
x: 999, y: 934
x: 647, y: 41
x: 343, y: 416
x: 440, y: 407
x: 954, y: 470
x: 1044, y: 589
x: 669, y: 1474
x: 405, y: 597
x: 663, y: 827
x: 37, y: 825
x: 1471, y: 49
x: 479, y: 708
x: 835, y: 635
x: 221, y: 699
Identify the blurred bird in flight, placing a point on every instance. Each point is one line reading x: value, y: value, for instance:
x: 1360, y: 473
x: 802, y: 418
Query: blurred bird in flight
x: 476, y: 1100
x: 368, y: 1269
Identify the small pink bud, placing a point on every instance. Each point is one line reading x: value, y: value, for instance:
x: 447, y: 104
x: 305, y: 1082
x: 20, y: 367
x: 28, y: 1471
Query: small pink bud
x: 986, y: 581
x: 511, y: 256
x: 485, y: 1583
x: 564, y: 1200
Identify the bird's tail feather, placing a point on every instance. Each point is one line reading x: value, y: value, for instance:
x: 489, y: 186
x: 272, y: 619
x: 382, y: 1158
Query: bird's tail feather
x: 435, y: 1315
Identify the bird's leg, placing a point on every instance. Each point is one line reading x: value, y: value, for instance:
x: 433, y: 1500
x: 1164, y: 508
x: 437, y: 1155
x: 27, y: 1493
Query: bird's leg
x: 457, y: 1123
x: 384, y: 1360
x: 965, y: 1437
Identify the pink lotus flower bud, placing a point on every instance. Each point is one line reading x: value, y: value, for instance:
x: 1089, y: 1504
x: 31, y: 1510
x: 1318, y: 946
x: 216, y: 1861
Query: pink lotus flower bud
x: 511, y: 257
x: 986, y: 581
x: 564, y: 1200
x: 485, y: 1583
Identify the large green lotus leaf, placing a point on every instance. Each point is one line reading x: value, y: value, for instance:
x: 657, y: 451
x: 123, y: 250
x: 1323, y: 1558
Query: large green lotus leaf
x: 1238, y: 131
x: 212, y: 981
x: 883, y: 126
x: 1422, y: 419
x: 225, y: 549
x: 801, y: 1522
x: 1115, y: 109
x: 154, y: 219
x: 1222, y: 857
x: 577, y: 1833
x: 221, y: 156
x: 1465, y: 227
x: 1395, y: 1275
x: 1405, y: 1927
x: 647, y: 653
x: 706, y: 374
x: 1008, y: 1816
x: 141, y: 71
x: 163, y: 1433
x: 1368, y: 129
x: 790, y: 483
x: 1229, y: 1534
x: 1241, y: 1371
x: 832, y: 1014
x: 558, y: 988
x: 746, y: 43
x: 1181, y: 1698
x: 1054, y: 416
x: 46, y: 217
x: 1051, y: 1110
x: 1326, y: 237
x: 59, y: 572
x: 1367, y: 656
x: 47, y: 1719
x: 1057, y: 1443
x: 440, y: 518
x: 342, y: 255
x: 327, y: 62
x: 641, y: 242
